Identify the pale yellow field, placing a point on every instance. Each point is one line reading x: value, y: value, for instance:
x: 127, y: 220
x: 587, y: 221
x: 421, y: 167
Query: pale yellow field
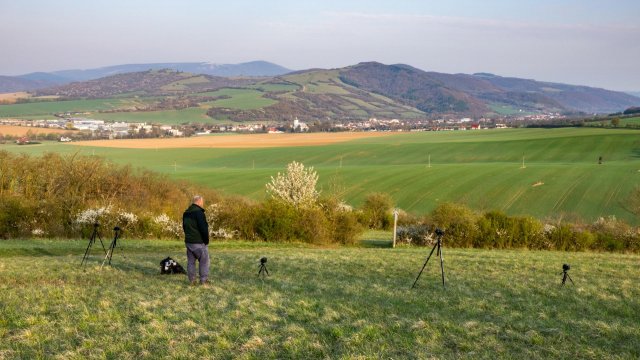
x: 236, y: 141
x: 22, y: 130
x: 11, y: 98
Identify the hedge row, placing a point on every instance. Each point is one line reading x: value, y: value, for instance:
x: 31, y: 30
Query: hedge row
x: 495, y: 230
x: 63, y: 196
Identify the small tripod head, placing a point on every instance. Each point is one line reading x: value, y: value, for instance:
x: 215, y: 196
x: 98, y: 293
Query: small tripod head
x: 566, y: 267
x: 96, y: 224
x: 263, y: 260
x: 439, y: 232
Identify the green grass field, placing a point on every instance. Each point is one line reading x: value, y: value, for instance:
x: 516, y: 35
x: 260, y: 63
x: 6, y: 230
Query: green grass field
x: 348, y: 302
x: 483, y: 169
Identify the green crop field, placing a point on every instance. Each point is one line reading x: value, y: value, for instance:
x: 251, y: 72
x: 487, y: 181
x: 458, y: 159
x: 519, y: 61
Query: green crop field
x: 503, y: 109
x: 632, y: 121
x: 272, y: 87
x: 336, y: 303
x: 482, y: 169
x: 243, y: 99
x: 169, y: 117
x: 52, y: 107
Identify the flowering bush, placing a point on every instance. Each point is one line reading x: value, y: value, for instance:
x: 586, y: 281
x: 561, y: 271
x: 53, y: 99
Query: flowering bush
x: 418, y: 234
x: 37, y: 232
x: 167, y: 226
x: 222, y: 233
x: 296, y: 187
x: 92, y: 216
x: 126, y: 218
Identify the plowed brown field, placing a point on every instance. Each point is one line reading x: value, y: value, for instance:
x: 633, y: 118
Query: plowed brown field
x: 236, y: 141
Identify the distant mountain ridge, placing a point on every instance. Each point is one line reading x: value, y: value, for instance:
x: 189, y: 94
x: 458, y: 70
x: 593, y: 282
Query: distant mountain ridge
x: 38, y: 80
x: 253, y: 68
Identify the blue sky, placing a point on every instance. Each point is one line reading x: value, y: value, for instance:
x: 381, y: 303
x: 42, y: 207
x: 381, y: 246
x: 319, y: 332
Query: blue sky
x: 587, y: 42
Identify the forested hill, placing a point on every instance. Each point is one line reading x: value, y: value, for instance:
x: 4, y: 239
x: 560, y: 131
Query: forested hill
x: 463, y: 93
x: 151, y: 82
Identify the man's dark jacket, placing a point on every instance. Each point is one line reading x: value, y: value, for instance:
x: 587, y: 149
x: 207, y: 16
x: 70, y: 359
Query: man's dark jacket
x: 194, y: 224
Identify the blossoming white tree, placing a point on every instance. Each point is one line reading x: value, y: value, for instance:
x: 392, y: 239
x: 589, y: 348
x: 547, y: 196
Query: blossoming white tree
x: 297, y: 186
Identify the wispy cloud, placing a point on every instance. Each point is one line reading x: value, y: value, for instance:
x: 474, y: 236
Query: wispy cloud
x: 405, y: 19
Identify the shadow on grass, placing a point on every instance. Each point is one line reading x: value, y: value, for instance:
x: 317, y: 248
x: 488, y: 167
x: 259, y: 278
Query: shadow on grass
x: 376, y: 243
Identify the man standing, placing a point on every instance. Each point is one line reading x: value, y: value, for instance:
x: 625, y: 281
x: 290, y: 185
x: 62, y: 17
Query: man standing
x: 196, y: 239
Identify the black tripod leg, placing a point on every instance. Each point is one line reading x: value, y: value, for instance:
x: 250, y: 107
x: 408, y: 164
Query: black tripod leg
x: 101, y: 243
x: 112, y: 247
x: 92, y: 239
x: 266, y: 270
x: 86, y: 252
x: 423, y: 266
x: 441, y: 262
x: 571, y: 279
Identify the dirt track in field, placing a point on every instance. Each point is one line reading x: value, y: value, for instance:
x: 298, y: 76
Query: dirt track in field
x: 22, y: 130
x: 235, y: 141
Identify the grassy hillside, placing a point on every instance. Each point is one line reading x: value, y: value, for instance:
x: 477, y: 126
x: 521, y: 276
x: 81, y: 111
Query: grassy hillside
x: 317, y: 303
x: 482, y: 169
x: 313, y: 95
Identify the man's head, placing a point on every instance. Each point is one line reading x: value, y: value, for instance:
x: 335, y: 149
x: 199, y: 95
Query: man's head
x: 198, y: 200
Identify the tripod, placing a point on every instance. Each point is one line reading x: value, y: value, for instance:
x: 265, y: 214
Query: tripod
x: 438, y: 245
x: 565, y: 274
x: 263, y: 267
x: 92, y: 240
x: 112, y: 246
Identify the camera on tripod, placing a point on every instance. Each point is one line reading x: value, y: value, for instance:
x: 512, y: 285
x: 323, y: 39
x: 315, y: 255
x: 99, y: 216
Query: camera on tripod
x: 565, y: 274
x: 437, y: 246
x: 95, y: 235
x: 262, y: 270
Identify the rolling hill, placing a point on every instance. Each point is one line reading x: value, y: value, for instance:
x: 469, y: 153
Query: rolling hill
x: 150, y: 82
x: 482, y: 169
x: 474, y: 94
x: 9, y: 84
x: 358, y: 92
x: 376, y: 90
